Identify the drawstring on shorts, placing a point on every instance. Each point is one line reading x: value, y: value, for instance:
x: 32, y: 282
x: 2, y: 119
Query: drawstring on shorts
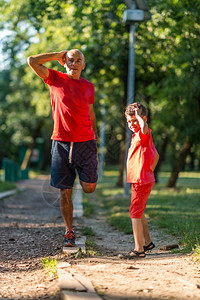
x: 70, y: 152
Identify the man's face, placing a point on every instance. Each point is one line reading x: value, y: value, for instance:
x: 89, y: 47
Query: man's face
x: 133, y: 123
x: 75, y: 63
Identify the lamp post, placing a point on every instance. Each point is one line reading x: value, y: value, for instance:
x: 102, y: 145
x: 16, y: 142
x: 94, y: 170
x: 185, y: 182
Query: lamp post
x: 137, y: 11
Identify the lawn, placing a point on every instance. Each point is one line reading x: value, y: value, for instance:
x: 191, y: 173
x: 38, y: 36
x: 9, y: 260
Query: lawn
x: 6, y: 186
x: 177, y: 210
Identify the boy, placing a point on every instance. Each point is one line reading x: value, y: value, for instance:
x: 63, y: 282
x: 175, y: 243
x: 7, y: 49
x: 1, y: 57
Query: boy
x: 141, y: 162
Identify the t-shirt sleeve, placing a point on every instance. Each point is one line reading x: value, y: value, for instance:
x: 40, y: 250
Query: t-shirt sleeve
x: 145, y: 137
x: 52, y: 76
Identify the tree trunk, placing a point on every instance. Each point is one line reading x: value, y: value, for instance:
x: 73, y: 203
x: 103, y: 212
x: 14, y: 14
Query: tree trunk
x: 28, y: 153
x: 179, y: 164
x: 162, y: 155
x: 192, y: 159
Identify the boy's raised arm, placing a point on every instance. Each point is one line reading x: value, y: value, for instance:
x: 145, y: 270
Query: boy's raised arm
x: 142, y: 121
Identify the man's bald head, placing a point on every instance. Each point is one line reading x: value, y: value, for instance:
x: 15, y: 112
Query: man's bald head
x: 75, y: 52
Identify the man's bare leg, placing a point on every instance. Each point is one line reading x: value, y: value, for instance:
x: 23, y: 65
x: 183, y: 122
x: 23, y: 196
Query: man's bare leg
x: 66, y: 207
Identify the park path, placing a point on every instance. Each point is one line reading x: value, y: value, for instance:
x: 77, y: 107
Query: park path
x: 32, y: 228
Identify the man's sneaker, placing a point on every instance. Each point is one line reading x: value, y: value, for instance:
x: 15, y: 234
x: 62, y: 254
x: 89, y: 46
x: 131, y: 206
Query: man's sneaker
x: 69, y: 239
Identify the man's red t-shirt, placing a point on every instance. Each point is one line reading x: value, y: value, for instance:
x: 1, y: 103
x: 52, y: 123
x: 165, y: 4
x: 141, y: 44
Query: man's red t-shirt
x: 70, y: 101
x: 141, y: 156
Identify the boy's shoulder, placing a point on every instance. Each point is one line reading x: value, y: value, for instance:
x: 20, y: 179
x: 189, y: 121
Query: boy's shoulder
x: 141, y: 135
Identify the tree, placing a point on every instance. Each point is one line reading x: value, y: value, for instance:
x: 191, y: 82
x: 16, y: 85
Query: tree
x: 170, y: 45
x: 167, y: 68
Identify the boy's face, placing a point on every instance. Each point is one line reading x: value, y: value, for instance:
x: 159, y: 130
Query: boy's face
x: 133, y: 123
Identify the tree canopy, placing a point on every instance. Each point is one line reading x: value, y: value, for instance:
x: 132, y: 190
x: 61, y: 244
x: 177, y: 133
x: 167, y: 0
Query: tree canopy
x: 167, y: 69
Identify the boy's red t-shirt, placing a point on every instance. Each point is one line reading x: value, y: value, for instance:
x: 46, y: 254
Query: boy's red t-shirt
x: 141, y: 156
x: 70, y: 101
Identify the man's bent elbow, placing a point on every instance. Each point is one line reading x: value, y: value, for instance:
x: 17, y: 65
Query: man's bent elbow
x: 30, y: 60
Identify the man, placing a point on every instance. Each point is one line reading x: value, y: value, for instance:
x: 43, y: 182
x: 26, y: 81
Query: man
x: 74, y: 133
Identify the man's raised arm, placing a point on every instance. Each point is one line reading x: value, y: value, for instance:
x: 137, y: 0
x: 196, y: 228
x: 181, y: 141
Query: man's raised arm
x: 36, y: 62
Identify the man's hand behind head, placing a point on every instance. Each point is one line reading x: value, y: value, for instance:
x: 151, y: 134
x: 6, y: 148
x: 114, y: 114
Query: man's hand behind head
x: 62, y: 58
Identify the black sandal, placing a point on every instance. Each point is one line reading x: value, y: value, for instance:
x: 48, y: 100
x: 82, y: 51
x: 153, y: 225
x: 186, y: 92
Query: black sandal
x: 136, y: 254
x: 149, y: 247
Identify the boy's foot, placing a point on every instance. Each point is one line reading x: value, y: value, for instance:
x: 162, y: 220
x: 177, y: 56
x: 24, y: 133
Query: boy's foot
x: 133, y: 254
x: 69, y: 239
x: 136, y: 254
x: 149, y: 247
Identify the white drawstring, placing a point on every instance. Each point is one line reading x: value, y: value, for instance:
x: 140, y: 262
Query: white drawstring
x: 70, y: 152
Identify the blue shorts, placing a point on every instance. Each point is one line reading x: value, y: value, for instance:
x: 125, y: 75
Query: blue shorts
x: 68, y: 157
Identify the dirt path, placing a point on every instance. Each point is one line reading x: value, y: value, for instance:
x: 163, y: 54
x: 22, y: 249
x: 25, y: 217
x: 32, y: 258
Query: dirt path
x: 32, y: 228
x: 161, y: 275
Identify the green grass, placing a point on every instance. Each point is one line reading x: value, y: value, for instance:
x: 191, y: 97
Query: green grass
x: 49, y: 265
x: 88, y: 231
x: 6, y: 186
x: 91, y: 247
x: 35, y: 173
x: 176, y: 211
x: 88, y: 207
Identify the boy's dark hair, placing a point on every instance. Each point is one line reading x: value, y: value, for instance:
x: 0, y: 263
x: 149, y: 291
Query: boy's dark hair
x: 130, y: 109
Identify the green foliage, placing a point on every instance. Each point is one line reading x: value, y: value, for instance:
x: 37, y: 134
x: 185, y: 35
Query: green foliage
x: 196, y: 254
x: 49, y: 265
x: 91, y: 247
x: 88, y: 231
x: 6, y: 186
x: 167, y: 68
x: 79, y: 253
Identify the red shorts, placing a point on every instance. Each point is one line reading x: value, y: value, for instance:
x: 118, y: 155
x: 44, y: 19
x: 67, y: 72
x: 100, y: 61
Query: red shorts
x: 139, y: 197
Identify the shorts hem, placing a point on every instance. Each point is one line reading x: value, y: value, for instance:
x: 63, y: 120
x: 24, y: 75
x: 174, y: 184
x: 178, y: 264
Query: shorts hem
x: 61, y: 187
x: 136, y: 217
x: 88, y: 181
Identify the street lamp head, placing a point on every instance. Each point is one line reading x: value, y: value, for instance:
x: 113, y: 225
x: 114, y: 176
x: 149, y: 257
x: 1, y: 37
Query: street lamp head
x: 141, y: 5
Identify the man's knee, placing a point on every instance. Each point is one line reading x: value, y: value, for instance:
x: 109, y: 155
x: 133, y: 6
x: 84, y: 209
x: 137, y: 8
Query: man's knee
x: 88, y: 187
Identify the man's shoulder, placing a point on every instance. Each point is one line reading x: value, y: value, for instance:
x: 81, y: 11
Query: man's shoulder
x: 83, y: 80
x: 57, y: 73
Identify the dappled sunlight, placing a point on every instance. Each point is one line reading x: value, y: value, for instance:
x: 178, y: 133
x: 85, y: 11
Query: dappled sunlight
x: 110, y: 173
x: 109, y: 192
x: 193, y: 191
x: 163, y: 209
x: 189, y: 175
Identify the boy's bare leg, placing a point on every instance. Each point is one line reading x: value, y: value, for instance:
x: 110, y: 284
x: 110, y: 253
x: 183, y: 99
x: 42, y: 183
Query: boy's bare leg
x: 146, y: 235
x: 66, y: 207
x: 138, y: 234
